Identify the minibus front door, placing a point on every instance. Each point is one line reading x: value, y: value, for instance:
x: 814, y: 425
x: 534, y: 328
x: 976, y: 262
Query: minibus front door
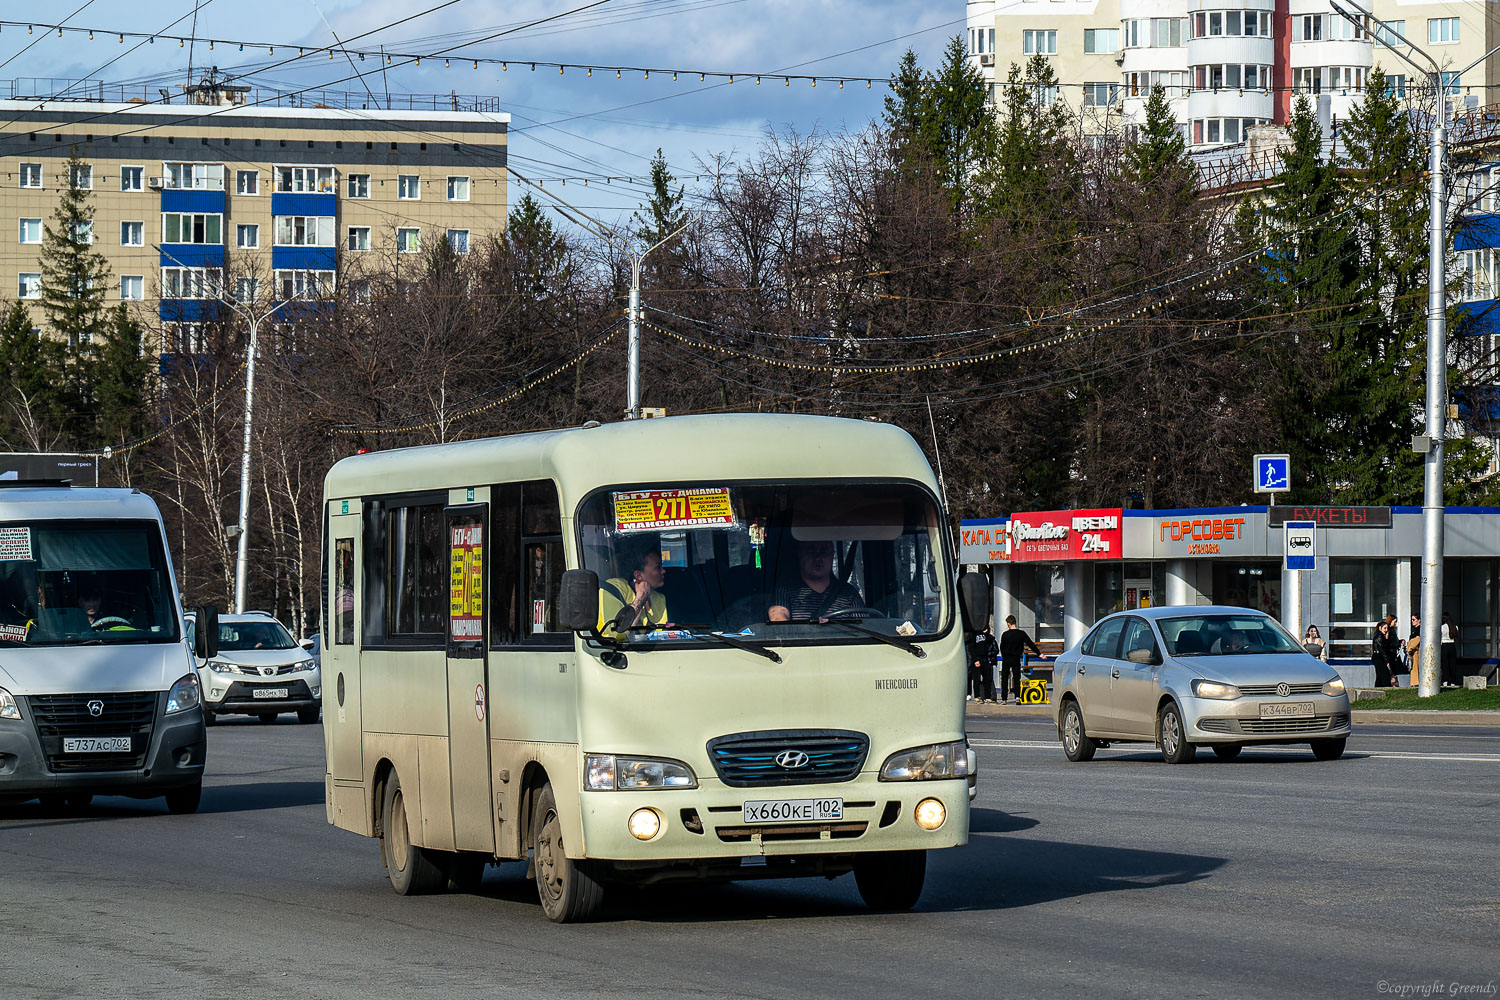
x: 468, y: 683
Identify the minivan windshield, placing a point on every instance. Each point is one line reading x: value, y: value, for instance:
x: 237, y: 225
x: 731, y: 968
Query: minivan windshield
x: 1226, y: 635
x: 808, y: 560
x: 77, y: 582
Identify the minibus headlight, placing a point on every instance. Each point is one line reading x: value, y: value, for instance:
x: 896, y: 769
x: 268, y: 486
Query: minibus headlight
x: 939, y: 760
x: 184, y: 695
x: 8, y: 707
x: 605, y: 772
x: 1334, y: 687
x: 1215, y: 690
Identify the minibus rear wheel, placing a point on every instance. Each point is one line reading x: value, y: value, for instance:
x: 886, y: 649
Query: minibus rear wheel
x: 569, y: 889
x: 890, y: 880
x: 414, y: 870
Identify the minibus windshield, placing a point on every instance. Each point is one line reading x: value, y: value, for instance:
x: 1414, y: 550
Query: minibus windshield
x: 76, y: 582
x: 761, y: 561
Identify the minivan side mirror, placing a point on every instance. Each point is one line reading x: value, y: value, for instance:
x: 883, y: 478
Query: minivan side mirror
x: 206, y: 632
x: 974, y: 601
x: 307, y: 644
x: 578, y: 601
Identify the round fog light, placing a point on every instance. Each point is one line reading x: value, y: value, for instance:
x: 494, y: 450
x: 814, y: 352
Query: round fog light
x: 645, y: 824
x: 930, y: 814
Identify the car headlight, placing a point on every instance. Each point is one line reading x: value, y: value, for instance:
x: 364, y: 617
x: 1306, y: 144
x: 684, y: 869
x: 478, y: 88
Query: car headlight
x: 606, y: 772
x: 184, y: 695
x: 223, y: 667
x: 929, y: 763
x: 1334, y: 687
x: 1215, y: 689
x: 8, y: 707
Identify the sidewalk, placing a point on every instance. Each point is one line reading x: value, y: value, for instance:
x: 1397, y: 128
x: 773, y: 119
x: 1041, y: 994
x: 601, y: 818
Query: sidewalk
x: 1364, y: 716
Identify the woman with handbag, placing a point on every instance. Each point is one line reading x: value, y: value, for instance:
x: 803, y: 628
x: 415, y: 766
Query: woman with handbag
x: 1380, y: 655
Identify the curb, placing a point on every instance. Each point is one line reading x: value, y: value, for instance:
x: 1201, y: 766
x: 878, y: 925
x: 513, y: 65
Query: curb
x: 990, y: 711
x: 1397, y: 717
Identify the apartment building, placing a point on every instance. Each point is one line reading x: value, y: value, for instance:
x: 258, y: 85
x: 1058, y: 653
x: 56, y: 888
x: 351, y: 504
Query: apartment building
x: 276, y: 202
x: 1227, y: 65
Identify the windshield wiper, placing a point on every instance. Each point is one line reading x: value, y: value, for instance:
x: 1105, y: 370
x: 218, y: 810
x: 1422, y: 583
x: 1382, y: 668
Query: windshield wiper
x: 889, y: 640
x: 769, y: 654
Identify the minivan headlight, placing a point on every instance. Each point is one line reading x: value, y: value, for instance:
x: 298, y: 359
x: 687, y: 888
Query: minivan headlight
x: 1215, y: 689
x: 1334, y: 687
x: 8, y: 707
x: 929, y: 763
x: 606, y: 772
x: 184, y: 695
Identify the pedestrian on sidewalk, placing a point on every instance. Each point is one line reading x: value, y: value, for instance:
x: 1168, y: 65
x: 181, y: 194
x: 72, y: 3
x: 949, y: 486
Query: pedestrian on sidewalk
x: 980, y: 650
x: 1013, y: 644
x: 1382, y: 655
x: 1312, y: 641
x: 1449, y: 650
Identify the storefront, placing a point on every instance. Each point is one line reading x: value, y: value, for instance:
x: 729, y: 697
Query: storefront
x: 1059, y: 572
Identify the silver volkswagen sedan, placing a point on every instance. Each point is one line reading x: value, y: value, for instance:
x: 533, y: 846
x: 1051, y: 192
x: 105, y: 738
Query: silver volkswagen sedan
x: 1196, y: 676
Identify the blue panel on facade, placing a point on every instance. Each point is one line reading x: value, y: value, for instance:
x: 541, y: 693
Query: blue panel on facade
x: 283, y: 203
x: 1479, y: 318
x: 187, y: 310
x: 192, y: 201
x: 1476, y: 232
x: 302, y: 258
x: 192, y: 255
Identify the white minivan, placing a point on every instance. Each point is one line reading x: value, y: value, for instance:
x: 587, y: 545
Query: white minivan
x: 98, y: 693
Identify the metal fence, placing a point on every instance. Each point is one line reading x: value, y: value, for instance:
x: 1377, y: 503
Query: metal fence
x: 37, y: 88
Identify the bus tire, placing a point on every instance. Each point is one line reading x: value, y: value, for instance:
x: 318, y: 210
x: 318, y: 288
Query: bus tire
x: 569, y: 889
x: 184, y: 800
x: 890, y: 880
x: 414, y: 870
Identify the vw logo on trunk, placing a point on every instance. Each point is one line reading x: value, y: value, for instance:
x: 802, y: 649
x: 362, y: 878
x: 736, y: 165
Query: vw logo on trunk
x: 791, y: 759
x: 96, y: 708
x: 1283, y: 689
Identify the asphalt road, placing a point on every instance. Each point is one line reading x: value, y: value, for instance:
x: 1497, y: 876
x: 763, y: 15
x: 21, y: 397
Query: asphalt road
x: 1269, y: 876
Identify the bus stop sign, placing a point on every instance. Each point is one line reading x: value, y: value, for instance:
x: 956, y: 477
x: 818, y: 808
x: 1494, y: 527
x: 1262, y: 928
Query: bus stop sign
x: 1300, y: 539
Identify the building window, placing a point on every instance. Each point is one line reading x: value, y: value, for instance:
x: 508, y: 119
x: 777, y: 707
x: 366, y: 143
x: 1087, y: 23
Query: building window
x: 1442, y: 29
x: 1391, y: 33
x: 30, y: 286
x: 187, y: 283
x: 132, y: 286
x: 458, y: 189
x: 195, y: 176
x: 1450, y: 84
x: 305, y: 180
x: 304, y: 230
x: 247, y: 182
x: 1310, y: 28
x: 31, y: 231
x: 303, y: 284
x: 82, y: 233
x: 1167, y: 32
x: 1101, y: 41
x: 458, y: 239
x: 408, y: 240
x: 361, y: 292
x: 132, y: 234
x: 1040, y: 42
x: 1343, y: 28
x: 247, y: 237
x: 180, y: 227
x: 408, y: 187
x: 1395, y: 85
x: 31, y: 175
x: 131, y: 178
x: 359, y: 238
x: 81, y: 177
x: 359, y: 185
x: 246, y: 289
x: 1099, y: 95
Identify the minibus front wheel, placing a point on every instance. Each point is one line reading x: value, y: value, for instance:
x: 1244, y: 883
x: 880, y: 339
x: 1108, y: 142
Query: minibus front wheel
x: 569, y: 889
x: 889, y: 881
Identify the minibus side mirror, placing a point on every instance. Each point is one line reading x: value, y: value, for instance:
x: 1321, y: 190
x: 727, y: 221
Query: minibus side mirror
x: 578, y: 601
x: 206, y: 633
x: 974, y: 601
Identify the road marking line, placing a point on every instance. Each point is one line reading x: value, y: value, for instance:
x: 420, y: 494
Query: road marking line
x: 1473, y: 758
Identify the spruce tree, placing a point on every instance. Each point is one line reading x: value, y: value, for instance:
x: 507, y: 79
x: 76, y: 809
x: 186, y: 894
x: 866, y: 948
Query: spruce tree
x: 664, y: 212
x: 1037, y: 164
x: 31, y: 405
x: 906, y: 106
x: 120, y: 375
x: 1156, y: 161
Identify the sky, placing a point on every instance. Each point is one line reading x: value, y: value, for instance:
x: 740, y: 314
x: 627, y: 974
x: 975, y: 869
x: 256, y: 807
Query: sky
x: 563, y: 125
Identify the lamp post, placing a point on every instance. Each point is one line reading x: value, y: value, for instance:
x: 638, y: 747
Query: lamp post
x: 633, y: 372
x: 1437, y: 350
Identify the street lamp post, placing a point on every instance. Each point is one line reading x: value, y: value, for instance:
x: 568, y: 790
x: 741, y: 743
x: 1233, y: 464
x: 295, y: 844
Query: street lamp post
x: 1437, y: 351
x: 633, y: 372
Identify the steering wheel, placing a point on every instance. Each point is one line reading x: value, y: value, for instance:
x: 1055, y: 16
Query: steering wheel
x: 834, y: 616
x: 102, y: 623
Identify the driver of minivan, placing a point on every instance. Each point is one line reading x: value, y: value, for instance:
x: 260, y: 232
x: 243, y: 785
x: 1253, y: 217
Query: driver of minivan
x: 818, y: 593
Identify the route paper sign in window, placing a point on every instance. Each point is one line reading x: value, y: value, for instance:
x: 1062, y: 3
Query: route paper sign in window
x: 466, y: 583
x: 15, y: 544
x: 654, y: 510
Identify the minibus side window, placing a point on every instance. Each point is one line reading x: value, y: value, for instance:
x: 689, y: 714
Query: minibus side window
x: 526, y: 564
x: 418, y: 592
x: 374, y: 535
x: 343, y: 592
x: 505, y: 564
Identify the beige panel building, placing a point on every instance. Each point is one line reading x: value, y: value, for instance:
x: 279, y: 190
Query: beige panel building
x: 286, y: 201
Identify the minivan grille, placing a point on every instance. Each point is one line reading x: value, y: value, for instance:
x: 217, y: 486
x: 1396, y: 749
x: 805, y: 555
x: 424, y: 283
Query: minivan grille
x: 748, y: 760
x: 60, y: 716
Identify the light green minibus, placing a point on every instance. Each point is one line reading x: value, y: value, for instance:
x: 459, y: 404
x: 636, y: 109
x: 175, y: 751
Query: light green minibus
x: 699, y: 647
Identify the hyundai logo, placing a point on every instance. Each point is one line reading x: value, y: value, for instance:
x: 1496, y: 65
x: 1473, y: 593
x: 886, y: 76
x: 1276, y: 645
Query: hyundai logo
x: 791, y: 759
x: 1283, y: 689
x: 96, y: 708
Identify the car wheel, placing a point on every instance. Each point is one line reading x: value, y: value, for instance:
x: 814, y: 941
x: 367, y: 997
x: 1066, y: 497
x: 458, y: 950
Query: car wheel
x: 1329, y: 749
x: 1075, y: 740
x: 268, y: 717
x: 569, y: 889
x: 1227, y: 751
x: 890, y: 880
x: 184, y: 800
x: 307, y: 716
x: 413, y: 870
x: 1175, y: 748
